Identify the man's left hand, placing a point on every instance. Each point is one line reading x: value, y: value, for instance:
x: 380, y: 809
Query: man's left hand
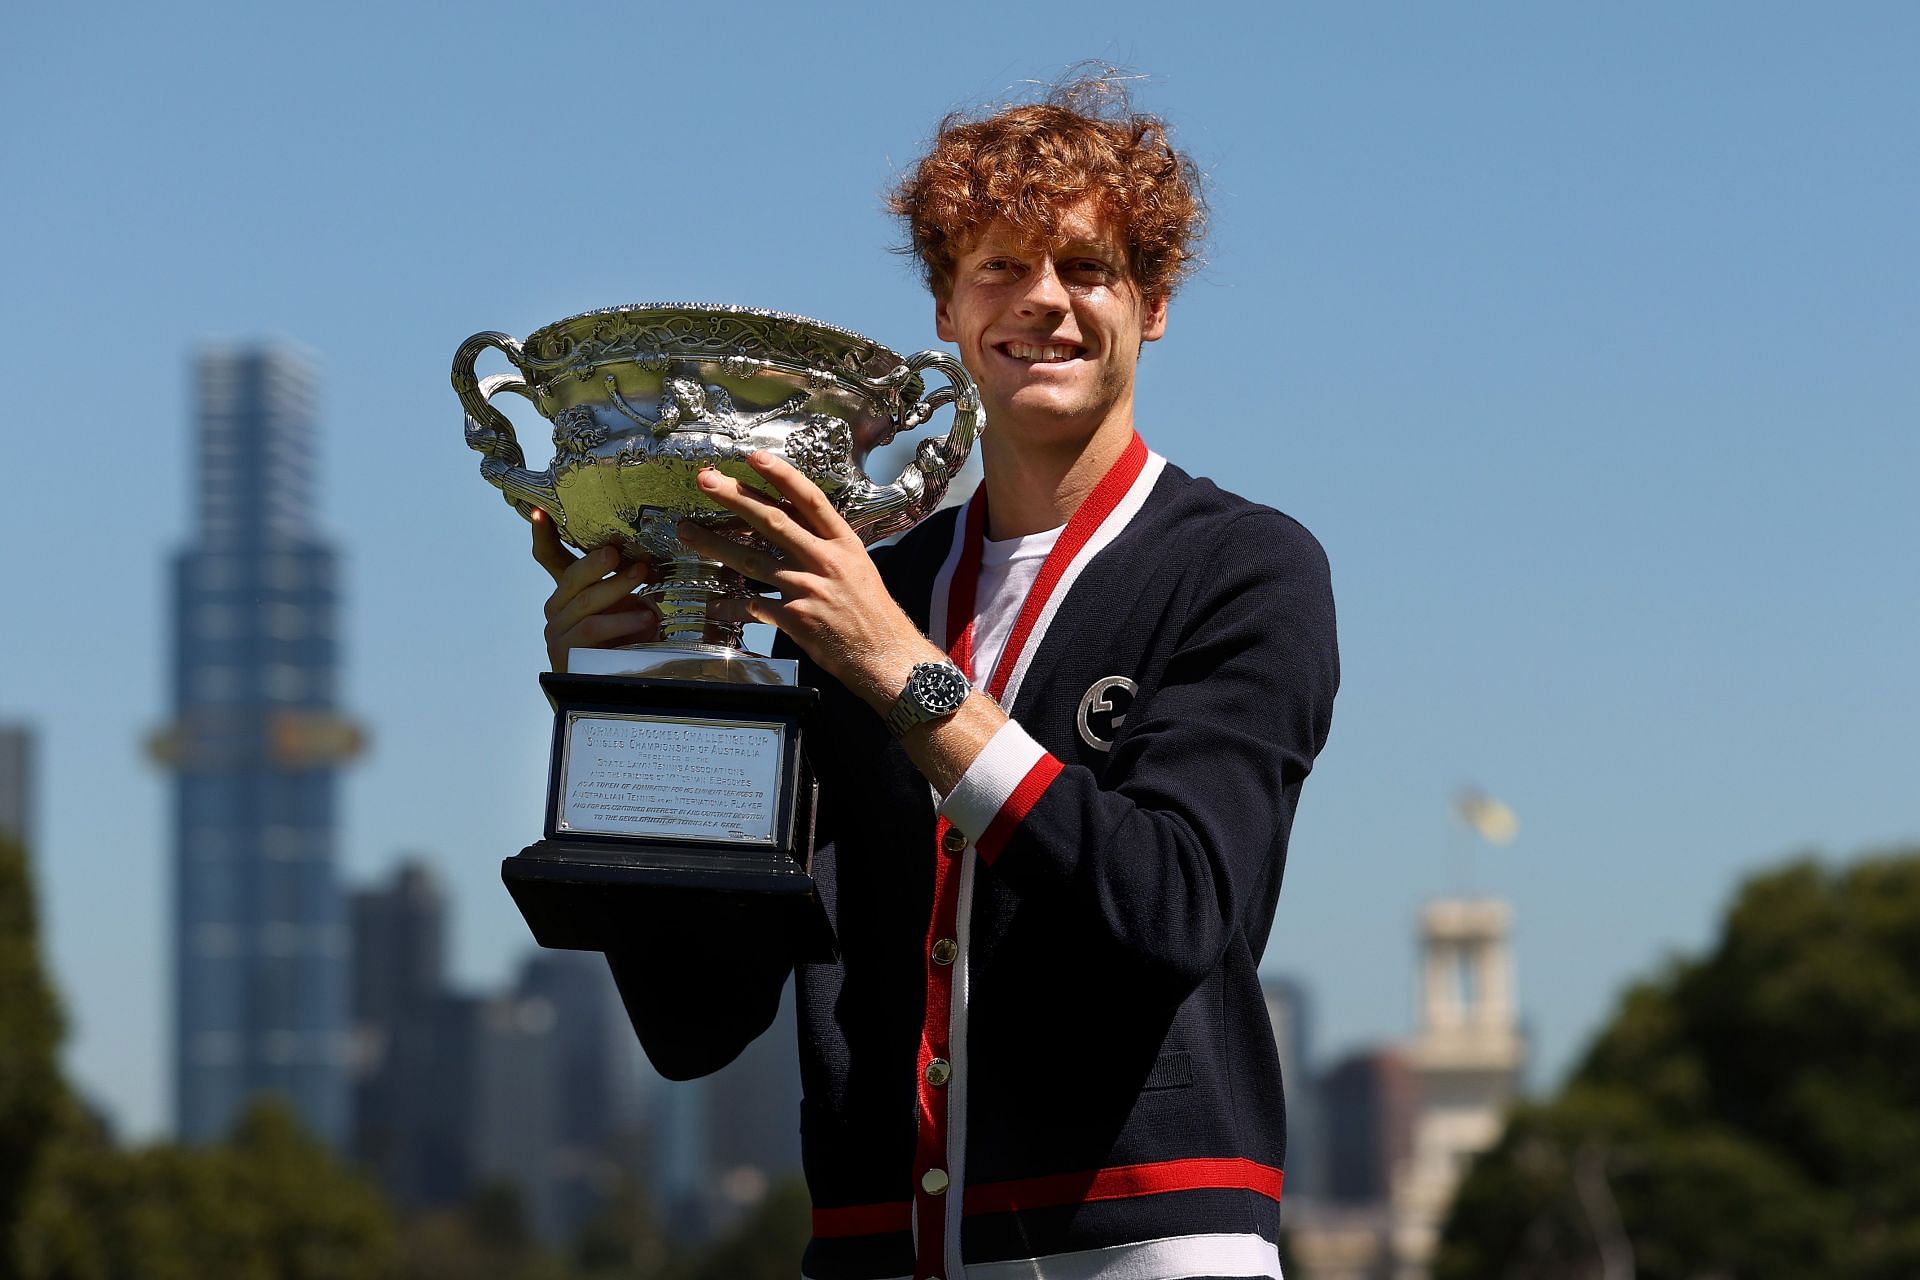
x: 832, y: 601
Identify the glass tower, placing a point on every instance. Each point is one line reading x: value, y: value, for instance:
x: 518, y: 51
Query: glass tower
x: 260, y: 939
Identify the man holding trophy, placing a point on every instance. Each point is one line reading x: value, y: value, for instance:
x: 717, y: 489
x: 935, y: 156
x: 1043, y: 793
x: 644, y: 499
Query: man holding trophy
x: 1061, y: 736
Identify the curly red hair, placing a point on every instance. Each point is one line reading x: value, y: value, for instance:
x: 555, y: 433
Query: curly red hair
x: 1030, y: 164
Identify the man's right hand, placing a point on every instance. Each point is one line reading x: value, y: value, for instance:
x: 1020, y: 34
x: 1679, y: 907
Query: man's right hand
x: 592, y: 602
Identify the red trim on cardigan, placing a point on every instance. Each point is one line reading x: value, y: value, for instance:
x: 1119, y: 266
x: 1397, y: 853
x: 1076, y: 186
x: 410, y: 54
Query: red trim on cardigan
x: 930, y: 1142
x: 1080, y: 529
x: 930, y: 1135
x: 1123, y: 1182
x: 1018, y: 806
x: 965, y: 586
x: 863, y: 1220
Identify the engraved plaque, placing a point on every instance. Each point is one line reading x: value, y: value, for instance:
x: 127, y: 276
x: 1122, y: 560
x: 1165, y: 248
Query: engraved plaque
x: 670, y: 779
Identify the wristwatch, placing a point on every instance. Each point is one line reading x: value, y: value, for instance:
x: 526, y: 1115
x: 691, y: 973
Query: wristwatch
x: 934, y: 691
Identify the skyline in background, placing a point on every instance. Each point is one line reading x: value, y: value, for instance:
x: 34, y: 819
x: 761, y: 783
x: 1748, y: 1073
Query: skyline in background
x: 256, y: 745
x: 1585, y: 342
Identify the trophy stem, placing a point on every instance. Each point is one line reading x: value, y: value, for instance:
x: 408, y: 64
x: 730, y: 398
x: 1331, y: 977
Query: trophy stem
x: 681, y: 596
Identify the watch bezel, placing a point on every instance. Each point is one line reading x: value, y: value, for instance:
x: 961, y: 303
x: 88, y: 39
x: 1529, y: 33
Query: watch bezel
x: 915, y: 704
x: 929, y: 679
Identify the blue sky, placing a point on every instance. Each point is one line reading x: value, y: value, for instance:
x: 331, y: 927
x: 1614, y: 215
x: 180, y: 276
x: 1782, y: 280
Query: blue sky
x: 1586, y: 339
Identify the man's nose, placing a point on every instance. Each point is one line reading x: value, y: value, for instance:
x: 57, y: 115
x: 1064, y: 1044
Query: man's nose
x: 1045, y: 293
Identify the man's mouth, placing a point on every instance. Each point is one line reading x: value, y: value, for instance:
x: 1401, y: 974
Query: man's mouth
x: 1041, y: 353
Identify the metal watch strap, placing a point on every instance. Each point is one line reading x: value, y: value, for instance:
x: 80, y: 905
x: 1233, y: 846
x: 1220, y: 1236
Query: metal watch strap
x: 909, y: 709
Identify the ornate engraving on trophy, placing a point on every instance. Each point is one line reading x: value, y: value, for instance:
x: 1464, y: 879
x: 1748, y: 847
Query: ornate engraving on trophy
x: 680, y: 762
x: 575, y: 436
x: 822, y: 447
x: 687, y: 404
x: 666, y: 778
x: 643, y: 398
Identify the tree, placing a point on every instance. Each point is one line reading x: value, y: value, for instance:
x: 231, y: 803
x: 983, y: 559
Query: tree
x: 487, y: 1236
x: 767, y: 1243
x: 625, y: 1241
x: 269, y: 1204
x: 1755, y: 1112
x: 31, y: 1095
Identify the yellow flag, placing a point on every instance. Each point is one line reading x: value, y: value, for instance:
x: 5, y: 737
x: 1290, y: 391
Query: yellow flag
x: 1493, y: 820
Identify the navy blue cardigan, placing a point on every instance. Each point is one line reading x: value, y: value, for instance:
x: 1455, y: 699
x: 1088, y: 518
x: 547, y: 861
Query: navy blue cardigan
x: 1051, y: 1019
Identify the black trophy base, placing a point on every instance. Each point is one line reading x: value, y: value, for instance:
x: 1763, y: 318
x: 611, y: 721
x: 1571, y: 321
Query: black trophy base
x: 608, y: 891
x: 575, y: 898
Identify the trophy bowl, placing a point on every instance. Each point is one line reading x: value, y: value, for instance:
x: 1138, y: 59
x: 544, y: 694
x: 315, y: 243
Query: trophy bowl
x: 679, y: 766
x: 643, y: 398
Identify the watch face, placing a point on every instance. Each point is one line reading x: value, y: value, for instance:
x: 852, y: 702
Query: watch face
x: 940, y: 688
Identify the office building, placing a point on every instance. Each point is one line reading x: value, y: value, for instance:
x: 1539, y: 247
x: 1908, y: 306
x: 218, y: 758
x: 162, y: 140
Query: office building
x: 517, y: 1096
x: 600, y: 1137
x: 1290, y: 1013
x: 400, y: 1135
x: 529, y: 1091
x: 719, y: 1143
x: 1367, y: 1105
x: 753, y: 1115
x: 540, y: 1086
x: 256, y: 744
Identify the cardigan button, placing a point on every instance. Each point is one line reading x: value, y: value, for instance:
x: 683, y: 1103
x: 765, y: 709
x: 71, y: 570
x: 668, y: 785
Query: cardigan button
x: 939, y: 1071
x: 954, y: 841
x: 945, y: 950
x: 934, y: 1182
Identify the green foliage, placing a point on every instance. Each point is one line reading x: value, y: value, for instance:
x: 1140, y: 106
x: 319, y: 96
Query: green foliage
x: 766, y: 1245
x: 488, y: 1236
x: 1755, y: 1112
x: 624, y: 1241
x: 31, y: 1096
x: 270, y: 1204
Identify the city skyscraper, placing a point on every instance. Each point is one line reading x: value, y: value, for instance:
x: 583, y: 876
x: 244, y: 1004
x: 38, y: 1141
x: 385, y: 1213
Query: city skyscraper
x: 1368, y: 1102
x: 256, y: 743
x: 1289, y: 1010
x: 540, y: 1086
x: 404, y: 1133
x: 753, y: 1113
x: 604, y: 1080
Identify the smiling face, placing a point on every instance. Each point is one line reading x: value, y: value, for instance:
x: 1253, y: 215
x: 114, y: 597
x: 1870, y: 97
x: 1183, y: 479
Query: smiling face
x: 1051, y: 331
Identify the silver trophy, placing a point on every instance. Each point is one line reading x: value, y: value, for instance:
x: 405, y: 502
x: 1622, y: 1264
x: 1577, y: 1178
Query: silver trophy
x: 643, y: 398
x: 678, y: 764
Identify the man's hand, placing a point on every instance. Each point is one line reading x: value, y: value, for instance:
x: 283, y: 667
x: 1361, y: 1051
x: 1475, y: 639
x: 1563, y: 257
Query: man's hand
x: 832, y: 601
x: 834, y: 605
x: 592, y: 601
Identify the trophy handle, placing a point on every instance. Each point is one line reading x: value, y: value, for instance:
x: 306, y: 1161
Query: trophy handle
x: 880, y: 511
x: 490, y: 434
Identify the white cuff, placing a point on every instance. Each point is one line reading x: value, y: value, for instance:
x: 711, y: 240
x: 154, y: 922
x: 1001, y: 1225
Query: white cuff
x: 983, y: 790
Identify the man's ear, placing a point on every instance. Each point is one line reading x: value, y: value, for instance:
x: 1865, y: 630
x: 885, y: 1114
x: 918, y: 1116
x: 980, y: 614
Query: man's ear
x: 1154, y: 323
x: 942, y: 322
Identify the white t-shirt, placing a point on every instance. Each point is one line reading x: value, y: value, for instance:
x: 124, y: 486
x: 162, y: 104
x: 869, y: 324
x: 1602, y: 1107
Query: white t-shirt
x: 1008, y: 570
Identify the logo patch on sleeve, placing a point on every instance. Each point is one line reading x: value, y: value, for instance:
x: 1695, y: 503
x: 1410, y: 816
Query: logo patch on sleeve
x: 1103, y: 709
